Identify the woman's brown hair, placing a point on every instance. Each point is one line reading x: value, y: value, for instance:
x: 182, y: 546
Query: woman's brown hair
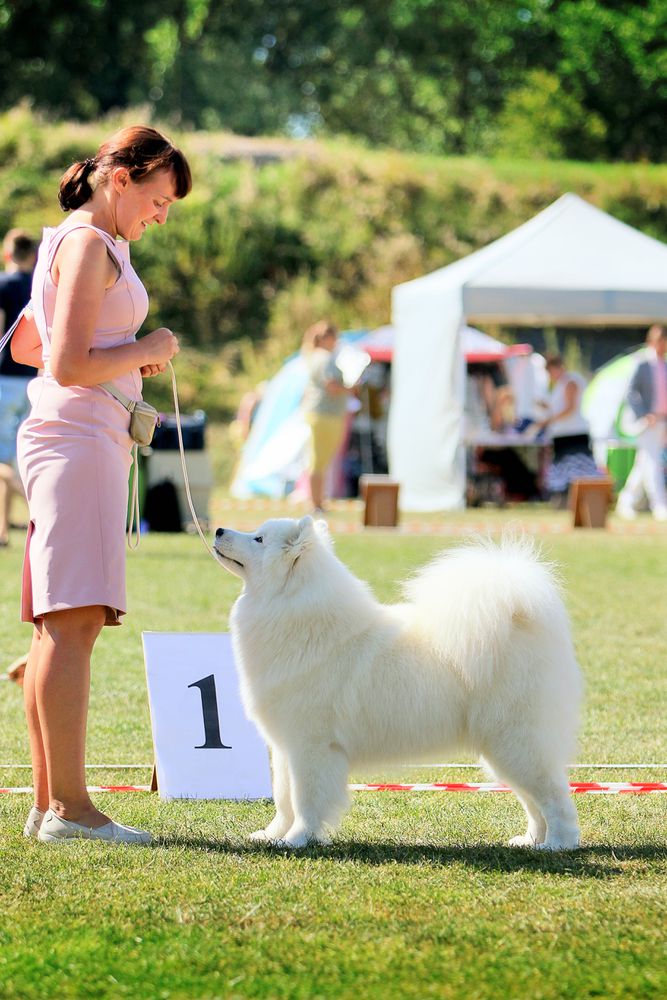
x: 139, y: 148
x: 316, y: 333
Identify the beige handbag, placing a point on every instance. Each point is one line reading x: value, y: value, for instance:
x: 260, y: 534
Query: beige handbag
x: 144, y: 418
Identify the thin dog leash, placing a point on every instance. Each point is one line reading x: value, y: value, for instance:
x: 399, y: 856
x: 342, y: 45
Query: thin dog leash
x: 135, y: 522
x: 186, y: 481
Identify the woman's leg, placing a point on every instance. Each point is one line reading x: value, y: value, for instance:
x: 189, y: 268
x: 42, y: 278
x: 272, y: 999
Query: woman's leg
x: 315, y: 478
x: 61, y: 684
x: 39, y: 774
x: 317, y: 490
x: 327, y: 437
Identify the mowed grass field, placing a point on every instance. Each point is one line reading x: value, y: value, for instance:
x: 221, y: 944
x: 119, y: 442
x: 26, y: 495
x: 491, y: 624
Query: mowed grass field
x: 418, y: 896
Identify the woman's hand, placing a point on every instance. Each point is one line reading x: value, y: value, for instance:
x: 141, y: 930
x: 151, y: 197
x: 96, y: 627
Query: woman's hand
x: 159, y: 347
x: 147, y: 371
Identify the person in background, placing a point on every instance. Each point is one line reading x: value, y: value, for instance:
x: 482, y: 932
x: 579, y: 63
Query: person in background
x: 19, y: 251
x: 365, y: 450
x: 647, y: 398
x: 567, y: 429
x: 510, y: 477
x: 324, y: 404
x: 482, y: 380
x: 74, y: 452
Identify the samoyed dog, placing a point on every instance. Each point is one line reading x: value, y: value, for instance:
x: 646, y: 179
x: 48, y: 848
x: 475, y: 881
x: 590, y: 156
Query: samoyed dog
x: 478, y: 658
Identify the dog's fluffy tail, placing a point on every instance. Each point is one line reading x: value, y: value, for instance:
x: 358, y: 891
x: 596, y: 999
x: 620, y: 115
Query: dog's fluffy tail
x: 473, y: 600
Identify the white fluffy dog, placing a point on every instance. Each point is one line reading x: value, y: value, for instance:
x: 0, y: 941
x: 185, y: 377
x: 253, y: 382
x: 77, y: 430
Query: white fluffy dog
x: 478, y: 658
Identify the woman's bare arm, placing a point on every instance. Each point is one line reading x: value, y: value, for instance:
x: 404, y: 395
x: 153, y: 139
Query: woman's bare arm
x: 83, y: 274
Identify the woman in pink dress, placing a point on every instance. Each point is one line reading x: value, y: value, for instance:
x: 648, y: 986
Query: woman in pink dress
x: 74, y: 452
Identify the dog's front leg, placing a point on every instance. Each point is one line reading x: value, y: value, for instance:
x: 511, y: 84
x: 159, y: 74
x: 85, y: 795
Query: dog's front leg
x: 318, y: 784
x: 282, y: 799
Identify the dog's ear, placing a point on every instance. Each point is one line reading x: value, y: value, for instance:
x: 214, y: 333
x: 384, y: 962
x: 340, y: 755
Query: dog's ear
x: 301, y: 538
x: 322, y: 532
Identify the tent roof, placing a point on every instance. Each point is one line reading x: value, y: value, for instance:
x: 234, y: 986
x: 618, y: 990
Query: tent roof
x: 476, y: 346
x: 571, y: 264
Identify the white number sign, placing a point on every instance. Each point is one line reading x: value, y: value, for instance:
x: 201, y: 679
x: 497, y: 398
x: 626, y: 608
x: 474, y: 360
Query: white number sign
x: 205, y: 746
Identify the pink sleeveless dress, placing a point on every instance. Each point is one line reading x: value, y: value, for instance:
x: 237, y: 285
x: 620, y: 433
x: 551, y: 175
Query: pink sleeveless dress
x: 74, y: 455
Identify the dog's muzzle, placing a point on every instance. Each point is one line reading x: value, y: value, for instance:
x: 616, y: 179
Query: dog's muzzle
x: 219, y: 534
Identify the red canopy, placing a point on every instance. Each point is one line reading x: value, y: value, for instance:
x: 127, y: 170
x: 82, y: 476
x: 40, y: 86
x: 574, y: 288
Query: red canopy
x: 477, y: 346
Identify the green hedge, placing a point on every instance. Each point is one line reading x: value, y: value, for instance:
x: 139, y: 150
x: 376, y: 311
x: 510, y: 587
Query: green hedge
x: 276, y: 234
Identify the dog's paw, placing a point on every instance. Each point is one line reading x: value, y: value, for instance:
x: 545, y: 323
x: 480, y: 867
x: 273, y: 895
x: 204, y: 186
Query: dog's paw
x: 524, y: 840
x: 558, y: 845
x: 259, y: 837
x: 294, y: 841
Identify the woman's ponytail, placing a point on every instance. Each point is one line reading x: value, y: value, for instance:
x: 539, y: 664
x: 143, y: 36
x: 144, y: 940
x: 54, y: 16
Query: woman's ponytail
x: 140, y: 149
x: 75, y: 187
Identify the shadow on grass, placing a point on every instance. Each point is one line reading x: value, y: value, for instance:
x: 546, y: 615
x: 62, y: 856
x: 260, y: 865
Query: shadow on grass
x: 597, y: 861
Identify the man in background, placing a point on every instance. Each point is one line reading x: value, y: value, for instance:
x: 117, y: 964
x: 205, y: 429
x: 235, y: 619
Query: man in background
x: 19, y: 252
x: 647, y: 398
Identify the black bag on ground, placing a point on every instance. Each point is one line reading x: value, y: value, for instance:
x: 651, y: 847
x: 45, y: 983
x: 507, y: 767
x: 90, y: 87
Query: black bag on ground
x: 162, y: 511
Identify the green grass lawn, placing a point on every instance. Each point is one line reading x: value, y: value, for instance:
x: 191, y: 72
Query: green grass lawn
x: 418, y: 897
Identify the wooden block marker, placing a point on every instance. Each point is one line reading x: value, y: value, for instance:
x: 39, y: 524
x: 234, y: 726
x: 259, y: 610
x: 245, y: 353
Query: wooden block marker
x: 589, y: 501
x: 380, y: 496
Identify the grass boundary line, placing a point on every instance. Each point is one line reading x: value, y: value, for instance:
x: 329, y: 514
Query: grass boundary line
x: 576, y: 787
x: 421, y: 767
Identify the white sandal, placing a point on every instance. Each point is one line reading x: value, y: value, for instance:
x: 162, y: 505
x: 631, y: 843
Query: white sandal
x: 54, y: 829
x: 33, y: 822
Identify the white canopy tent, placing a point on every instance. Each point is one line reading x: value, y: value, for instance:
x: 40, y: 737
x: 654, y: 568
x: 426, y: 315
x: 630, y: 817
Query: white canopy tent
x: 570, y: 265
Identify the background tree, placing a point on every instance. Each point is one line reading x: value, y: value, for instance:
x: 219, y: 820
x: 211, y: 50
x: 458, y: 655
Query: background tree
x: 612, y: 56
x: 588, y: 78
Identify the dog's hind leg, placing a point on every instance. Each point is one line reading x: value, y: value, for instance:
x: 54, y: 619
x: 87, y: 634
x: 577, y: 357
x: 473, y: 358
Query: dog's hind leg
x: 536, y: 831
x: 318, y: 783
x: 552, y: 798
x: 552, y: 818
x: 537, y: 825
x: 282, y: 799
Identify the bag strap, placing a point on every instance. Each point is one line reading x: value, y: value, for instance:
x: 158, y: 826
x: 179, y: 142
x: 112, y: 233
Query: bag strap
x: 6, y: 337
x: 129, y: 404
x: 134, y: 524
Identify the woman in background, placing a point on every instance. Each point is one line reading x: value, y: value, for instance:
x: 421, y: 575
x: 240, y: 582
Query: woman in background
x: 567, y: 428
x: 324, y: 404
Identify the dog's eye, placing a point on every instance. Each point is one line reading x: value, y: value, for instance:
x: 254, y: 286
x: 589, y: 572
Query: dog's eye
x: 258, y: 538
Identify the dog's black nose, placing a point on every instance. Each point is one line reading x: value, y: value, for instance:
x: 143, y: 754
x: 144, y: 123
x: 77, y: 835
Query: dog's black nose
x: 220, y: 532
